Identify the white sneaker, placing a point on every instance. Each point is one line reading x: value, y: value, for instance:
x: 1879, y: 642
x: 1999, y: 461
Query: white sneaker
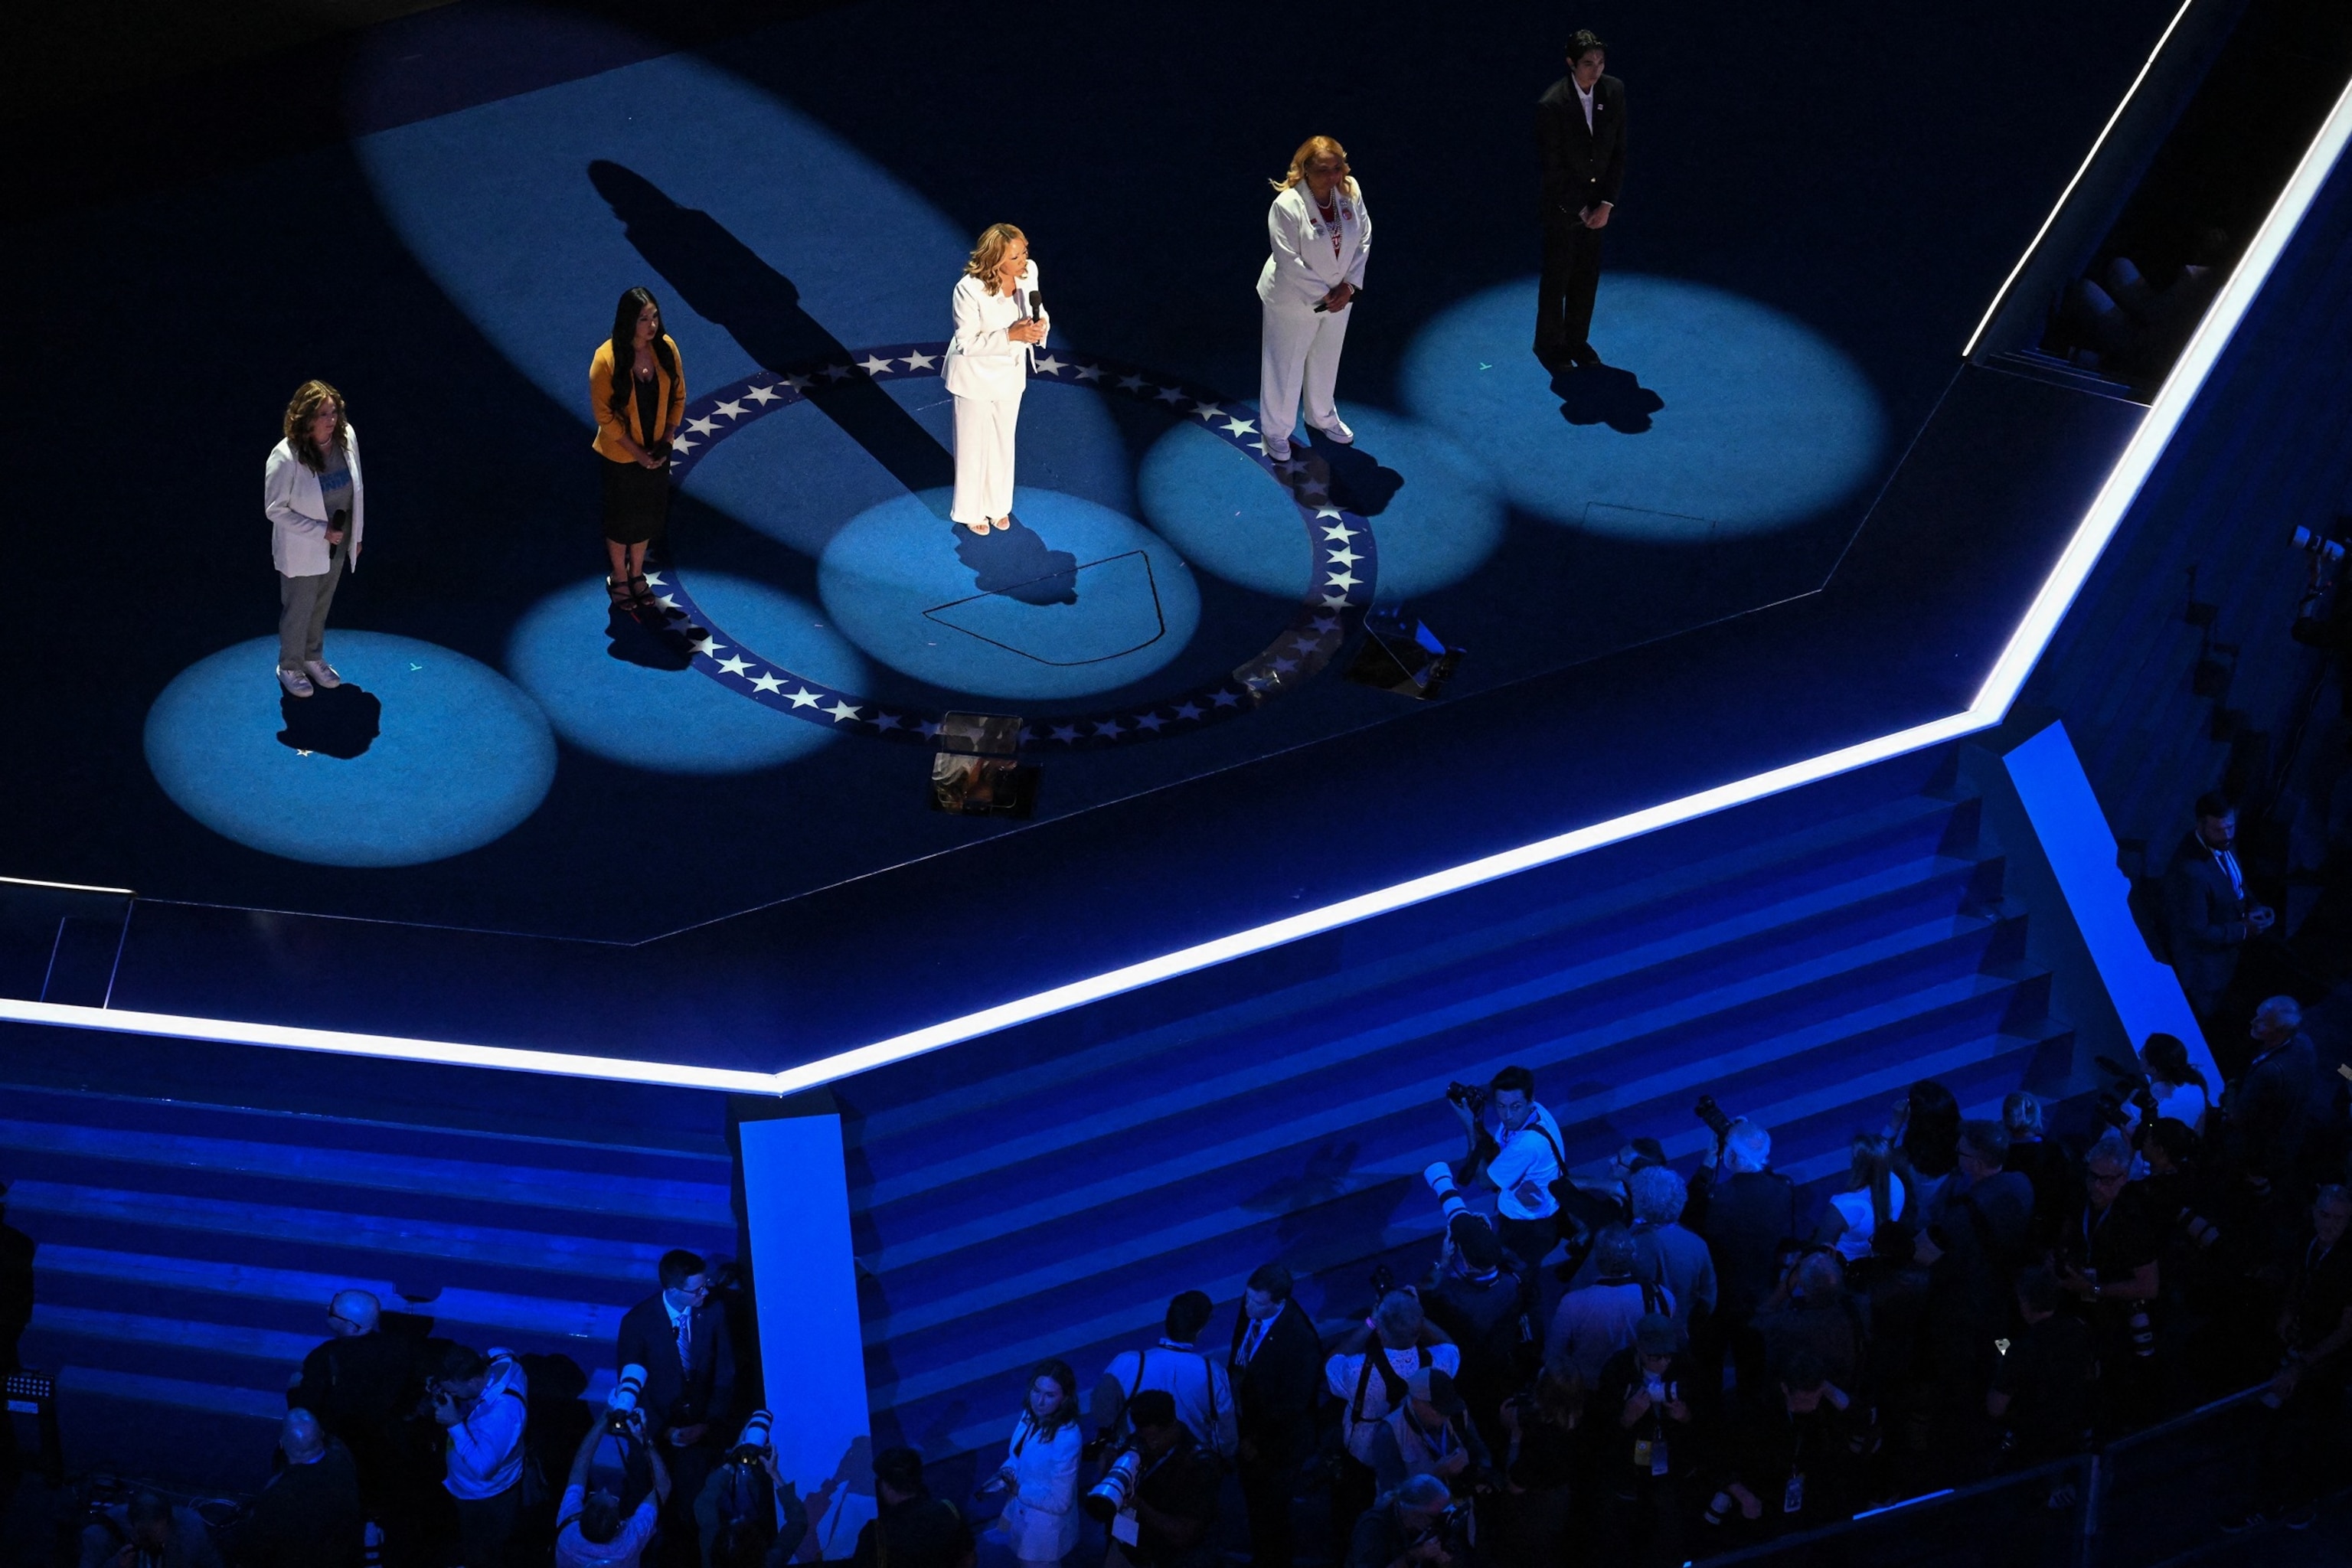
x: 1337, y: 431
x: 323, y: 673
x: 296, y: 683
x: 1277, y: 448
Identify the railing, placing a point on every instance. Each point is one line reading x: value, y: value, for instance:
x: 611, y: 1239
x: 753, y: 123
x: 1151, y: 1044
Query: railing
x: 2138, y: 1500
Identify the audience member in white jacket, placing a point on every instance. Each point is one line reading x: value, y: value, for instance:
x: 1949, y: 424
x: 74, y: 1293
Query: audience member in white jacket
x: 1040, y: 1522
x: 1320, y: 234
x: 317, y: 506
x: 482, y: 1405
x: 998, y: 321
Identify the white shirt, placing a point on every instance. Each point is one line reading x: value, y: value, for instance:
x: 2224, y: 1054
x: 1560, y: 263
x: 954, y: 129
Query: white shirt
x: 1862, y: 1219
x: 298, y: 512
x: 1301, y: 269
x: 1525, y: 1169
x: 1041, y: 1519
x: 2183, y: 1102
x: 574, y: 1550
x: 981, y: 361
x: 1203, y: 1393
x: 1586, y: 98
x: 2229, y: 864
x: 1342, y: 1374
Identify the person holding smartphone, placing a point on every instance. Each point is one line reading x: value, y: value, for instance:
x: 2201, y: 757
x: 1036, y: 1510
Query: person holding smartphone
x: 636, y: 391
x: 316, y: 502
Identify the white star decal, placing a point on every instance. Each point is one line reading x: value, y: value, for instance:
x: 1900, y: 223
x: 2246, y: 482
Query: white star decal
x: 680, y: 444
x: 1188, y: 711
x: 655, y: 578
x: 1089, y: 373
x: 927, y: 729
x: 1225, y: 698
x: 1130, y: 383
x: 1151, y: 722
x: 1335, y: 601
x: 1285, y: 664
x: 767, y: 683
x: 1049, y: 365
x: 1109, y: 727
x: 839, y: 372
x: 1065, y: 732
x: 1342, y: 580
x: 921, y: 362
x: 841, y: 710
x: 1314, y: 489
x: 1343, y: 558
x: 734, y: 664
x: 665, y: 602
x: 1302, y: 642
x: 805, y: 698
x: 1340, y: 531
x: 731, y: 409
x: 873, y: 366
x: 763, y: 395
x: 1171, y: 394
x: 1239, y: 426
x: 885, y: 721
x: 1326, y: 623
x: 1208, y: 411
x: 702, y: 427
x: 798, y: 383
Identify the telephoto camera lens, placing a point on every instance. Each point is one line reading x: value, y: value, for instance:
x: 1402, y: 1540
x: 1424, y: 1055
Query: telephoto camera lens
x: 1709, y: 1112
x: 623, y: 1397
x: 1108, y: 1497
x: 755, y: 1440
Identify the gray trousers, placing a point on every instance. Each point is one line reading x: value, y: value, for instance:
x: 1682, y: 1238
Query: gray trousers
x: 302, y: 611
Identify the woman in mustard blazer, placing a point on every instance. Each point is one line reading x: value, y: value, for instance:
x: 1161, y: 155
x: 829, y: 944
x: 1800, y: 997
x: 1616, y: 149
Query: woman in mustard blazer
x: 637, y: 388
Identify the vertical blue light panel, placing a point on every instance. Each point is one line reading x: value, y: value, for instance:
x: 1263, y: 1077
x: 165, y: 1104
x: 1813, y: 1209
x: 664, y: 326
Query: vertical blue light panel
x: 796, y: 1207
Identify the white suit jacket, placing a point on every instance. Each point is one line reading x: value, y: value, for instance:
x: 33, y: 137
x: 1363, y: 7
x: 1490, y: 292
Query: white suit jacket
x: 297, y: 513
x: 981, y: 361
x: 1042, y: 1518
x: 1302, y: 269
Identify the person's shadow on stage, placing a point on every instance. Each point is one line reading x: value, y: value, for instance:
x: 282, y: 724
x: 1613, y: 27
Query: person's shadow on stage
x: 1357, y: 480
x: 340, y: 721
x: 1016, y: 563
x: 1606, y: 394
x: 648, y: 648
x: 722, y: 279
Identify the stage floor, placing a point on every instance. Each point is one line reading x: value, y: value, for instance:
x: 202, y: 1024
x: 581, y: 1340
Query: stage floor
x: 1793, y: 268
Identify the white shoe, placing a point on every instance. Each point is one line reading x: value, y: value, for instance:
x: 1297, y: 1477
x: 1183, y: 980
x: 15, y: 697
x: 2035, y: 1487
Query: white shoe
x: 1337, y: 431
x: 1277, y: 448
x: 296, y: 683
x: 323, y: 673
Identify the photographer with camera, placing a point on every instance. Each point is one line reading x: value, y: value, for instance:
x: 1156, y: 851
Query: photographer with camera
x: 481, y: 1404
x: 748, y: 1515
x: 1369, y: 1371
x: 1418, y: 1525
x: 1477, y: 1294
x: 1595, y: 1321
x: 1159, y: 1496
x: 911, y: 1527
x: 1430, y: 1433
x: 1648, y: 1388
x: 1523, y: 1158
x: 1789, y: 1459
x: 1194, y: 1379
x: 591, y: 1531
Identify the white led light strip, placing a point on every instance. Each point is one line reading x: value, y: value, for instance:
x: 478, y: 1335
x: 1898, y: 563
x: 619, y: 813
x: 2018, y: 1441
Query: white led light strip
x: 1991, y: 704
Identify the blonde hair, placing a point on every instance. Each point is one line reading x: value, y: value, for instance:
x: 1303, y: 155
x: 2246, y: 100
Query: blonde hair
x: 988, y: 254
x: 308, y: 398
x: 1315, y: 147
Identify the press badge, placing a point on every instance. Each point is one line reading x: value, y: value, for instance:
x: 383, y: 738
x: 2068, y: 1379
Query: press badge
x: 1642, y: 1456
x: 1793, y: 1499
x: 1658, y: 1457
x: 1124, y: 1529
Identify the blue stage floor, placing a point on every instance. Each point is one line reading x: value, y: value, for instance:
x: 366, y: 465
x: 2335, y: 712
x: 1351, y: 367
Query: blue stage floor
x: 1634, y: 558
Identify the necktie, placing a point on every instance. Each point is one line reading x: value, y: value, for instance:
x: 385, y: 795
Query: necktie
x: 686, y: 1341
x: 1250, y: 1340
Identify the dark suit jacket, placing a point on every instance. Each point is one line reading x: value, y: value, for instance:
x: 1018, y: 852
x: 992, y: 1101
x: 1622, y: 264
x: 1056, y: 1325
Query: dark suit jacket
x: 2204, y: 925
x: 2271, y: 1108
x: 1581, y: 166
x: 1744, y: 1220
x: 676, y: 1396
x: 1275, y: 1396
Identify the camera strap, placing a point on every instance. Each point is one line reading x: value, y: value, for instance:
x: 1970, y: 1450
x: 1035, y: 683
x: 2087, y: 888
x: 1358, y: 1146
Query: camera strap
x: 1393, y: 1387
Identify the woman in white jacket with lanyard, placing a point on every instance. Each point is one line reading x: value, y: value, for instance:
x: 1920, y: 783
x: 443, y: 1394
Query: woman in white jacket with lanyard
x: 1040, y: 1474
x: 999, y: 319
x: 1320, y: 234
x: 317, y: 506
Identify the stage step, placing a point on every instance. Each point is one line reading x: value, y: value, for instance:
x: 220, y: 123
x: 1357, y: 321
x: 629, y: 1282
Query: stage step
x: 1043, y: 1192
x: 188, y: 1251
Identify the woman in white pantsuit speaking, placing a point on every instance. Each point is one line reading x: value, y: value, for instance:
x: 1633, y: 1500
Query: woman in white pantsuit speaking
x: 1320, y: 234
x: 999, y: 317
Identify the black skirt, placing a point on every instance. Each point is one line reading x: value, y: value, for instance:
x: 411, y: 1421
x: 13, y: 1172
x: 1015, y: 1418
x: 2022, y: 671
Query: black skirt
x: 637, y: 501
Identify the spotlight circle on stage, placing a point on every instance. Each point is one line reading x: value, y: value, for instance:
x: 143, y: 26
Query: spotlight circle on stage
x: 872, y: 578
x: 1072, y: 600
x: 421, y: 754
x: 631, y: 696
x: 1673, y: 439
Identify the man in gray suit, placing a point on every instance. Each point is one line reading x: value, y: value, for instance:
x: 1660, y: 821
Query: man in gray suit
x: 2208, y: 918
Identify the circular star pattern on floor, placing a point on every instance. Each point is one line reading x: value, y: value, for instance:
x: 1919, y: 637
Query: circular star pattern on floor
x: 1344, y: 573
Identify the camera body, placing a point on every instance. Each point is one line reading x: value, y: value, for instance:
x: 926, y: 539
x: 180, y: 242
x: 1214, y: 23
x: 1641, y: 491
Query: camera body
x: 752, y: 1446
x: 1471, y: 1097
x: 1712, y: 1114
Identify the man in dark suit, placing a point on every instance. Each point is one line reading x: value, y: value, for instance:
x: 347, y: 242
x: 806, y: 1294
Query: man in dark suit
x: 1580, y: 142
x: 2207, y: 920
x: 680, y: 1338
x: 1276, y: 1365
x: 1743, y: 1209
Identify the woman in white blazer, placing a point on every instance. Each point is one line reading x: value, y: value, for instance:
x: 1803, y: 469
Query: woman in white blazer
x: 1320, y: 234
x: 999, y: 319
x: 317, y: 506
x: 1040, y: 1474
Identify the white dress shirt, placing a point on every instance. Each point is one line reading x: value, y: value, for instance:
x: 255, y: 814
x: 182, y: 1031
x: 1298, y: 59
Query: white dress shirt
x: 1525, y: 1169
x: 1203, y: 1392
x: 1300, y: 266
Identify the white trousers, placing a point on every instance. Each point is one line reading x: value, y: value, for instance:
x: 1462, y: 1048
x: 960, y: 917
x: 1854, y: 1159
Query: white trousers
x: 983, y: 457
x: 1300, y: 351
